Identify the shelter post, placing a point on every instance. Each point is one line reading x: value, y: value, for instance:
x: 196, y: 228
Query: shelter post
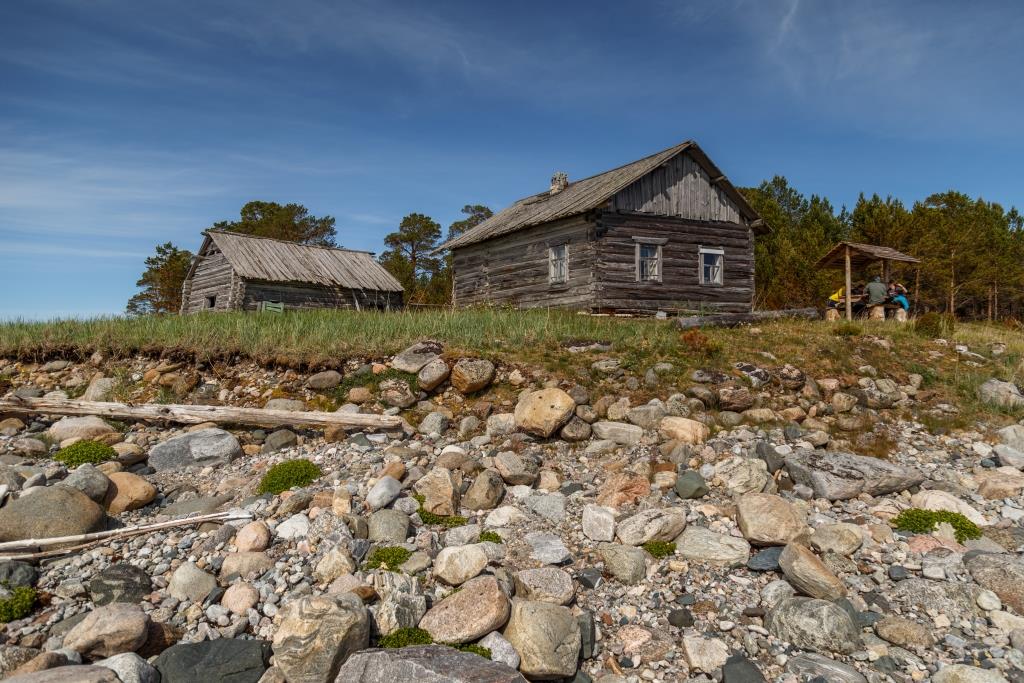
x: 849, y: 287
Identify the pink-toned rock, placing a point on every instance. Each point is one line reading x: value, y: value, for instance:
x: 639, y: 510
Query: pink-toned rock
x: 240, y: 597
x: 253, y: 537
x: 925, y: 543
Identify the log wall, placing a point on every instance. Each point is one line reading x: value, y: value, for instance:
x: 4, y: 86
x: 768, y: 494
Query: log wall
x: 679, y: 188
x: 212, y: 277
x: 298, y: 296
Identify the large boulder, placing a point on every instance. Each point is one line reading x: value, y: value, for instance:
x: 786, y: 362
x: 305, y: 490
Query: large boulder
x: 934, y: 499
x: 195, y: 449
x: 767, y: 519
x: 440, y: 491
x: 128, y: 492
x: 621, y: 433
x: 224, y: 659
x: 684, y: 430
x: 841, y: 476
x: 120, y: 582
x: 50, y: 512
x: 999, y: 393
x: 698, y: 544
x: 90, y: 481
x: 317, y: 634
x: 1001, y: 574
x: 472, y: 374
x: 88, y: 427
x: 458, y: 564
x: 485, y: 492
x: 808, y: 574
x: 109, y: 630
x: 812, y: 624
x: 328, y: 379
x: 1012, y: 436
x: 658, y: 524
x: 424, y: 664
x: 542, y: 412
x: 547, y: 638
x: 469, y: 614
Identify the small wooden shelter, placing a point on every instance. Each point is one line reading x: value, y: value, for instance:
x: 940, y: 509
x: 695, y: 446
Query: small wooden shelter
x: 849, y: 255
x: 233, y: 271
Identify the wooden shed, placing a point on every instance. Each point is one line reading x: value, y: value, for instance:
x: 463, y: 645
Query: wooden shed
x: 667, y: 232
x: 233, y: 272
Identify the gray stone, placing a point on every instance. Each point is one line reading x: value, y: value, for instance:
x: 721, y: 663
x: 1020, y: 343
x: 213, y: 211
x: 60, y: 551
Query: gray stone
x: 88, y: 427
x: 547, y: 548
x: 622, y: 433
x: 195, y: 449
x: 49, y: 512
x: 120, y: 582
x: 458, y: 564
x: 278, y: 440
x: 550, y: 506
x: 328, y: 379
x: 318, y: 634
x: 131, y: 668
x: 813, y: 666
x: 397, y: 393
x: 424, y: 664
x: 470, y: 375
x: 224, y: 659
x: 698, y: 544
x: 813, y: 624
x: 434, y: 423
x: 1009, y: 456
x: 90, y: 481
x: 840, y: 476
x: 576, y: 429
x: 485, y: 492
x: 808, y: 574
x: 472, y: 612
x: 416, y: 356
x: 999, y: 393
x: 100, y: 389
x: 388, y: 526
x: 383, y: 492
x: 433, y: 374
x: 290, y: 405
x: 964, y: 673
x: 658, y: 524
x: 690, y: 485
x: 547, y: 638
x: 189, y: 582
x: 546, y: 584
x: 15, y: 573
x: 501, y: 650
x: 598, y: 522
x: 514, y: 469
x: 625, y: 563
x: 1001, y: 574
x: 66, y: 674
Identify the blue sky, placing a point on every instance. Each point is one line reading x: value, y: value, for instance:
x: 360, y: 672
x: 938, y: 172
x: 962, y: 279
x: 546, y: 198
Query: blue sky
x: 124, y: 124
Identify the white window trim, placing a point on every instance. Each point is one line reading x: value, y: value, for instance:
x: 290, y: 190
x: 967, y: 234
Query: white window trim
x: 720, y: 251
x: 648, y: 241
x: 551, y: 264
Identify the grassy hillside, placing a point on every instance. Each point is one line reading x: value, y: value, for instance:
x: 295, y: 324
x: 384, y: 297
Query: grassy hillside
x: 540, y: 339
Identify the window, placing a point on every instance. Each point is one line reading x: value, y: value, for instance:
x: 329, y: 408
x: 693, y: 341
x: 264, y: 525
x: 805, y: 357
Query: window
x: 648, y: 258
x: 712, y: 265
x: 211, y: 301
x: 558, y: 263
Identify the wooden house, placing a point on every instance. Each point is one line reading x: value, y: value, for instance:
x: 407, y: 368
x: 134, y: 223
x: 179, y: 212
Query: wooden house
x: 234, y: 272
x: 667, y: 232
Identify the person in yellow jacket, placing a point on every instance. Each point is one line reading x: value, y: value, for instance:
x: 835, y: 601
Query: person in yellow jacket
x: 837, y: 296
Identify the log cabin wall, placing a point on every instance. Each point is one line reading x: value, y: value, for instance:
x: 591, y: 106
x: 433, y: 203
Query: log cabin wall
x: 300, y: 296
x: 680, y: 187
x: 680, y: 287
x: 212, y: 278
x: 513, y: 269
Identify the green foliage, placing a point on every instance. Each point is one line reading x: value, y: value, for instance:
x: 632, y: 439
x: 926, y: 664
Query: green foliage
x: 370, y: 381
x: 659, y: 549
x: 921, y: 521
x: 290, y: 222
x: 390, y: 557
x: 847, y: 328
x: 161, y: 282
x: 484, y: 652
x: 404, y: 637
x: 430, y: 518
x: 490, y: 537
x: 285, y: 475
x: 18, y: 604
x: 82, y: 452
x: 935, y: 325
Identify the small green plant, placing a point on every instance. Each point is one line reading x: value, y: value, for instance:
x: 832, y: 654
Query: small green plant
x: 18, y: 604
x: 847, y: 328
x: 659, y: 549
x: 490, y: 537
x: 404, y: 637
x: 921, y: 521
x: 430, y: 518
x: 390, y: 557
x: 82, y: 452
x: 475, y: 649
x: 935, y: 325
x: 285, y: 475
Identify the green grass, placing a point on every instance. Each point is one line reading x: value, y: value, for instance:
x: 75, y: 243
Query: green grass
x: 490, y: 537
x: 447, y: 521
x: 921, y: 521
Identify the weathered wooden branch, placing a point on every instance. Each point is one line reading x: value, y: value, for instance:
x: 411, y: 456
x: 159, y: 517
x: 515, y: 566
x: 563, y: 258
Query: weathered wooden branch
x: 28, y: 549
x: 734, y: 319
x: 187, y: 414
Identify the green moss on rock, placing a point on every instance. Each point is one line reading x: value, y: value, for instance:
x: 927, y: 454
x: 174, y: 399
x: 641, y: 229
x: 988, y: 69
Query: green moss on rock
x: 659, y: 549
x: 921, y: 521
x: 82, y: 452
x: 285, y: 475
x: 404, y: 637
x: 490, y: 537
x: 391, y: 557
x: 18, y: 604
x: 430, y: 518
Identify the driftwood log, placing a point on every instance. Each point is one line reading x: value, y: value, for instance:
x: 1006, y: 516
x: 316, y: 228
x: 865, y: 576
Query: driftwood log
x: 734, y: 319
x: 186, y: 414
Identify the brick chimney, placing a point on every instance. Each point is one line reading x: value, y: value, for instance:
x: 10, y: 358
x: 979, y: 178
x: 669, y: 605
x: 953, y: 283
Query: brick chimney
x: 559, y: 181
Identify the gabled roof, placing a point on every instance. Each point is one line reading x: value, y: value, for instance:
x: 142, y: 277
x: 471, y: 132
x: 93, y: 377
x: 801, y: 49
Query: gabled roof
x: 861, y: 255
x: 590, y: 193
x: 263, y: 258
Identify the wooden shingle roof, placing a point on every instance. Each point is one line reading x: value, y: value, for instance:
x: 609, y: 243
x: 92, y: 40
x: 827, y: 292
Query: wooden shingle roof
x: 590, y: 193
x: 263, y: 258
x: 861, y: 255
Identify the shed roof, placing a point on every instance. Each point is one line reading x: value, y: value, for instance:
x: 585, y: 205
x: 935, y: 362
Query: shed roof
x: 590, y: 193
x: 861, y: 255
x: 263, y: 258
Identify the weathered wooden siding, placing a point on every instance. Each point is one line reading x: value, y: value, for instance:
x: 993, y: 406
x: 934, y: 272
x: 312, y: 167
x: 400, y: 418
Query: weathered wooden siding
x: 680, y: 287
x: 513, y: 269
x: 680, y: 188
x: 212, y: 277
x: 297, y: 296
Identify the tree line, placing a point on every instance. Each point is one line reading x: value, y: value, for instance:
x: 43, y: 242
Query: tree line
x: 971, y: 250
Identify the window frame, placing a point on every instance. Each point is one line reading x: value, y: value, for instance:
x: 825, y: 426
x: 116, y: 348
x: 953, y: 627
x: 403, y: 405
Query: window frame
x: 211, y: 302
x: 564, y: 279
x: 718, y: 251
x: 659, y: 258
